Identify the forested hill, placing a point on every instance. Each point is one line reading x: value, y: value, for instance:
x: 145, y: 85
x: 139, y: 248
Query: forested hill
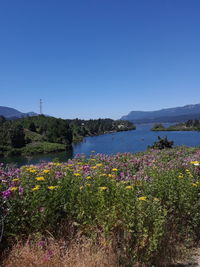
x: 41, y: 134
x: 82, y: 128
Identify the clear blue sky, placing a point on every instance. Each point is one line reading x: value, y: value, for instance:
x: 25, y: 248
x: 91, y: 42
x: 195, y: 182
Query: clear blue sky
x: 99, y: 58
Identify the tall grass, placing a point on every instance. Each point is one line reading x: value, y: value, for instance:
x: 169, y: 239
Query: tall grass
x: 143, y: 206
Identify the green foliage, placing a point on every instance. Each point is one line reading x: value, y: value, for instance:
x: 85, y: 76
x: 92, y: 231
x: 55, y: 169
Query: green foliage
x: 82, y: 128
x: 146, y: 214
x: 35, y: 130
x: 12, y: 134
x: 190, y: 125
x: 162, y: 143
x: 158, y: 127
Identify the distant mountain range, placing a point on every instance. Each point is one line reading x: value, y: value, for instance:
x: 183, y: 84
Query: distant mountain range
x: 173, y: 115
x: 11, y: 113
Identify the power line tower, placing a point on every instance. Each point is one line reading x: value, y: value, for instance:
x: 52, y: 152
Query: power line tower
x: 41, y: 106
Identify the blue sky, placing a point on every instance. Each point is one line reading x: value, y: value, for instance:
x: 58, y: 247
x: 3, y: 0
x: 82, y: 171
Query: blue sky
x: 99, y: 58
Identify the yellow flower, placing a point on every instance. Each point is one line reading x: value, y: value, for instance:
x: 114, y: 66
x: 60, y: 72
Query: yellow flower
x: 88, y: 184
x: 39, y: 178
x: 194, y: 184
x: 13, y: 188
x: 129, y: 187
x: 77, y: 174
x: 99, y: 164
x: 15, y: 180
x: 52, y: 187
x: 111, y: 175
x: 36, y: 188
x: 81, y: 187
x: 102, y: 188
x: 56, y: 164
x: 114, y: 170
x: 46, y: 171
x: 88, y: 177
x: 32, y: 171
x: 93, y: 167
x: 180, y: 176
x: 142, y: 198
x: 156, y: 199
x: 196, y: 163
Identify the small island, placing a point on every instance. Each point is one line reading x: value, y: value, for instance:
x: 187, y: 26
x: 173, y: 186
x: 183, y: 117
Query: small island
x: 45, y: 134
x: 190, y: 125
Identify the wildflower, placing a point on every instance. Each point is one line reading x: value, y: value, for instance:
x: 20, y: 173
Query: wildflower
x: 36, y: 188
x: 156, y: 199
x: 81, y: 187
x: 102, y: 188
x: 114, y: 170
x: 129, y: 187
x: 99, y: 165
x: 52, y: 187
x: 195, y: 163
x: 111, y: 175
x: 39, y: 178
x: 93, y: 167
x: 6, y: 194
x: 77, y: 174
x: 88, y: 184
x: 13, y: 188
x: 180, y: 175
x: 32, y: 171
x: 21, y: 190
x: 15, y: 180
x: 46, y: 171
x: 56, y: 164
x: 194, y: 184
x: 142, y: 198
x: 88, y: 177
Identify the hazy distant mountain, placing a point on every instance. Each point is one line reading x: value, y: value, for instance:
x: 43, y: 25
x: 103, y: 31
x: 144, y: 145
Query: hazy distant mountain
x: 10, y: 113
x: 177, y: 114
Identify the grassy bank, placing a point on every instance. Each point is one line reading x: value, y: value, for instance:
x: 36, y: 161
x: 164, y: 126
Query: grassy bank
x: 138, y: 208
x: 33, y: 148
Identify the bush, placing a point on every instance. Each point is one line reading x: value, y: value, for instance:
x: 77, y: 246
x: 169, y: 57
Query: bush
x: 162, y: 143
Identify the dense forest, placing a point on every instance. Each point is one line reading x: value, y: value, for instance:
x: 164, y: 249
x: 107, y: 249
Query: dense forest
x: 190, y: 125
x: 83, y: 128
x: 42, y: 134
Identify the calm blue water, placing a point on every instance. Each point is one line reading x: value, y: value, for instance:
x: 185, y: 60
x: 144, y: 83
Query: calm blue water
x: 131, y: 141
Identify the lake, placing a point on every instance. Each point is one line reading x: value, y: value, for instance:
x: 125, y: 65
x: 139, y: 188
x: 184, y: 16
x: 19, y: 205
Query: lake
x: 130, y: 141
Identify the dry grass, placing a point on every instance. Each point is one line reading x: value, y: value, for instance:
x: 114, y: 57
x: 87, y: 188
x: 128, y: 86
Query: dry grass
x: 81, y: 253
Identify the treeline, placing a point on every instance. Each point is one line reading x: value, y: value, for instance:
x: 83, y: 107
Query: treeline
x: 83, y: 128
x: 35, y: 131
x: 190, y: 125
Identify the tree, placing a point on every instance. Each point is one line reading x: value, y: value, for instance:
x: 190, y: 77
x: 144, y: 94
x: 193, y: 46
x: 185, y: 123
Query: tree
x: 17, y: 136
x: 162, y: 143
x: 32, y: 127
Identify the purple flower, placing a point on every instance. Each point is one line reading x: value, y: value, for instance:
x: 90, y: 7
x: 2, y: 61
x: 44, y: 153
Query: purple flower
x: 6, y: 194
x: 21, y: 190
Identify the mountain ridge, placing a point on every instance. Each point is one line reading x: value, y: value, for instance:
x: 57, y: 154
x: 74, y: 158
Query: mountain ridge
x: 176, y: 114
x: 10, y: 113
